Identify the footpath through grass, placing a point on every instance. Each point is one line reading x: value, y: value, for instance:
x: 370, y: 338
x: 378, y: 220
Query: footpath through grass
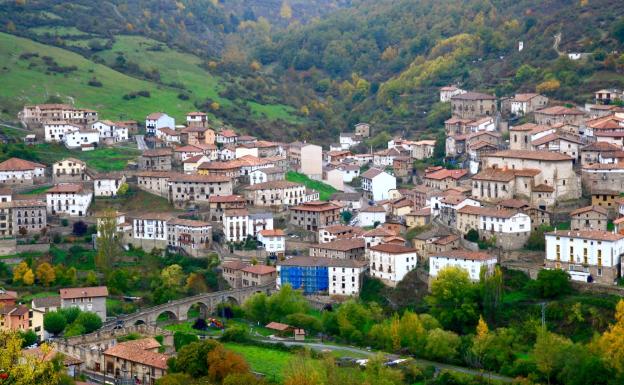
x: 325, y: 190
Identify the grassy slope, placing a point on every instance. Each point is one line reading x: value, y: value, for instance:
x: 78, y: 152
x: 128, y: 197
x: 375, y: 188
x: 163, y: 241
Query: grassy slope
x: 34, y: 85
x: 136, y: 201
x: 101, y: 159
x: 27, y: 84
x: 263, y: 360
x: 325, y: 190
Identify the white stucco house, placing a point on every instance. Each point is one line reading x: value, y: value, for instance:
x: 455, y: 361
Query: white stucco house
x: 158, y: 120
x: 68, y: 199
x: 377, y: 183
x: 471, y: 261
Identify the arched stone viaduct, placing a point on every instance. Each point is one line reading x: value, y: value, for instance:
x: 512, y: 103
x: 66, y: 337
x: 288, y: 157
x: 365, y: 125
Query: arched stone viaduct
x: 178, y: 309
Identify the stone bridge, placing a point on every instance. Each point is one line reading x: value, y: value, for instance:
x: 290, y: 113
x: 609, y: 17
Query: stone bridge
x: 178, y: 310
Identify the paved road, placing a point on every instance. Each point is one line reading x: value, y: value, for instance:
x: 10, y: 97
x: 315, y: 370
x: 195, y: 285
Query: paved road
x: 439, y: 365
x: 140, y: 139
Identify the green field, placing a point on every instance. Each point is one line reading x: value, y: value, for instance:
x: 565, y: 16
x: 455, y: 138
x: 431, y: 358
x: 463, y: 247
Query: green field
x: 135, y: 201
x: 325, y: 190
x: 269, y: 362
x: 37, y: 191
x: 100, y: 159
x: 30, y: 80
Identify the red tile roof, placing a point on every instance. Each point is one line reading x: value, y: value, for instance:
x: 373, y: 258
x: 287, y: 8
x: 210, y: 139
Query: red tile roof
x: 84, y: 292
x: 391, y: 248
x: 464, y: 254
x: 444, y: 173
x: 598, y: 235
x: 16, y: 164
x: 136, y: 351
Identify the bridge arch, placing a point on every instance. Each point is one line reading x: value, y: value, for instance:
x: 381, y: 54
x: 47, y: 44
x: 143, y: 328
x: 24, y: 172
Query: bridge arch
x: 196, y: 309
x: 232, y: 300
x: 139, y: 322
x: 166, y: 315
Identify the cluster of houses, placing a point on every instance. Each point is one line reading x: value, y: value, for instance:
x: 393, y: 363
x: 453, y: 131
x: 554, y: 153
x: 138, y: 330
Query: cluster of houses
x: 510, y: 164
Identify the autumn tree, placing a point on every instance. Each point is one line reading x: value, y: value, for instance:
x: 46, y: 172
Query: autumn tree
x: 223, y: 362
x: 172, y: 276
x: 195, y: 283
x: 27, y: 369
x: 29, y: 277
x: 611, y: 343
x: 302, y: 371
x: 286, y: 10
x: 46, y: 274
x: 19, y: 271
x: 108, y: 242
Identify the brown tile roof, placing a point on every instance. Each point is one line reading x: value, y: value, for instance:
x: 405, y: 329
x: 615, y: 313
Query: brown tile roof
x: 228, y: 133
x: 272, y: 233
x: 582, y: 210
x: 44, y: 302
x: 154, y: 116
x: 373, y: 209
x: 444, y: 173
x: 391, y: 248
x: 453, y: 199
x: 225, y: 199
x: 341, y: 244
x: 371, y: 173
x: 157, y: 152
x: 598, y: 235
x: 445, y: 240
x: 319, y: 261
x: 524, y: 127
x: 555, y: 136
x: 473, y: 96
x: 188, y: 148
x: 228, y: 165
x: 604, y: 166
x: 464, y: 254
x: 50, y: 354
x: 236, y: 212
x: 277, y: 326
x: 155, y: 216
x: 136, y: 351
x: 560, y: 110
x: 155, y: 174
x: 234, y: 265
x: 16, y: 164
x: 196, y: 178
x: 8, y: 294
x: 196, y: 113
x: 83, y: 292
x: 316, y: 206
x: 273, y: 185
x: 259, y: 269
x: 524, y: 97
x: 66, y: 188
x: 514, y: 203
x: 188, y: 222
x: 487, y: 211
x: 543, y: 188
x: 532, y: 155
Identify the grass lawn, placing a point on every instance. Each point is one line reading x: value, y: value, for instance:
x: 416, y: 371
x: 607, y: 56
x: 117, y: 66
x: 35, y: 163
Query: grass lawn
x: 274, y: 112
x: 325, y: 190
x: 102, y: 159
x: 30, y: 297
x: 82, y: 260
x: 22, y: 255
x: 37, y: 191
x: 135, y: 201
x: 269, y: 362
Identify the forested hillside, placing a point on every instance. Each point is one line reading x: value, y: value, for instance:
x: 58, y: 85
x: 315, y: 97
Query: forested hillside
x: 302, y: 69
x: 382, y: 61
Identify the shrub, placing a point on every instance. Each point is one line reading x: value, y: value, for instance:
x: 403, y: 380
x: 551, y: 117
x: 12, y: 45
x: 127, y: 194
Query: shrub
x: 472, y: 235
x: 236, y: 333
x: 94, y: 83
x: 182, y: 339
x: 80, y: 228
x: 64, y: 222
x: 183, y: 96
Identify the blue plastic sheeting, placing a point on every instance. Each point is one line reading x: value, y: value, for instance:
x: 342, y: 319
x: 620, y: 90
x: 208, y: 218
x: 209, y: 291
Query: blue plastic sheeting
x: 312, y: 279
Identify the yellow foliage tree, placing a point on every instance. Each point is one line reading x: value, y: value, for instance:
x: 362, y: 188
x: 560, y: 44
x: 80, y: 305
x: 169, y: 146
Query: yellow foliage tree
x: 611, y: 343
x: 255, y: 66
x: 129, y: 27
x: 29, y: 277
x: 19, y: 271
x: 390, y: 53
x: 45, y: 274
x: 27, y: 369
x: 286, y: 10
x: 215, y: 106
x: 304, y: 110
x: 548, y: 86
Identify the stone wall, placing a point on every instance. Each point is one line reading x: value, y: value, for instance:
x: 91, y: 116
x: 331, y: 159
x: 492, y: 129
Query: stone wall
x: 507, y: 241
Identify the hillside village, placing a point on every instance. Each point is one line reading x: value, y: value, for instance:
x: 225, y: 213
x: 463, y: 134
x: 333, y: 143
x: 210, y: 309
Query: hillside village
x: 524, y: 182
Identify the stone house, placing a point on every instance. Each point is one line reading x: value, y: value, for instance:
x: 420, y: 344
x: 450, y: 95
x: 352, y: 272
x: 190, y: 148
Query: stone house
x: 589, y: 218
x: 353, y: 248
x: 473, y: 105
x: 159, y: 159
x: 91, y: 299
x: 313, y: 215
